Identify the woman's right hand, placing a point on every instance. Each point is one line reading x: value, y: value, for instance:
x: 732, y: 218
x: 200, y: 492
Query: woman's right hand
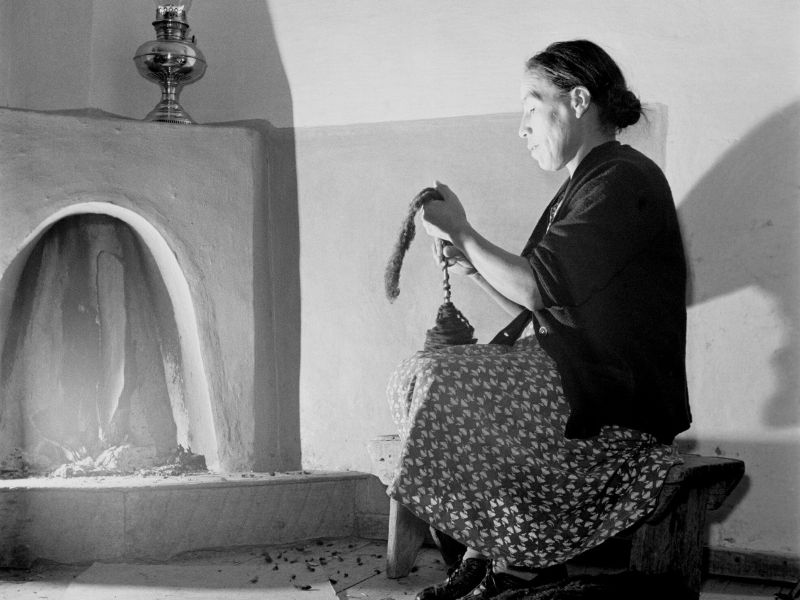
x: 456, y: 261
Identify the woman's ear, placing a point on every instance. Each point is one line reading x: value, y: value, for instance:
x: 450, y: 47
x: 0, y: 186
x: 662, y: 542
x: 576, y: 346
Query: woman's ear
x: 580, y: 99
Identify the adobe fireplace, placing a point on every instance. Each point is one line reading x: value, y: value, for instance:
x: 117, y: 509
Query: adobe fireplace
x: 149, y: 293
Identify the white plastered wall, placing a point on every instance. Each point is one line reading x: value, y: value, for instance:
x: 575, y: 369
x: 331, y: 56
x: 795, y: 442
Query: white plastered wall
x: 728, y: 74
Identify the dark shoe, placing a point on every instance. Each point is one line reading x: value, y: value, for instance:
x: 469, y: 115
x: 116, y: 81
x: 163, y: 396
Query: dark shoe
x: 495, y: 584
x: 460, y: 581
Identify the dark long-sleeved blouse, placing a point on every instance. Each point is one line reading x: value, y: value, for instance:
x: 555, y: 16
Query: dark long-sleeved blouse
x: 612, y: 274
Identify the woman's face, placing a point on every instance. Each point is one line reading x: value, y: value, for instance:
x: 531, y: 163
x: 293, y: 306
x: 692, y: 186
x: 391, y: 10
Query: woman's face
x: 548, y: 125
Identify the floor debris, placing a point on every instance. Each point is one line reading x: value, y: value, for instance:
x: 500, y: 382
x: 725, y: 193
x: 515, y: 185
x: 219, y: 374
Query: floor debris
x: 351, y: 569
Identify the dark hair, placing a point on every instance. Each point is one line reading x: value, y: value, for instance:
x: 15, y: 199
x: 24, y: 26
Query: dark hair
x: 584, y: 63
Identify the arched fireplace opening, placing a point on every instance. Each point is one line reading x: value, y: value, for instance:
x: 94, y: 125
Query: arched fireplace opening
x: 96, y: 375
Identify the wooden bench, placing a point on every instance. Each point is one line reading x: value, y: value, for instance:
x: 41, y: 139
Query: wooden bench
x: 669, y: 541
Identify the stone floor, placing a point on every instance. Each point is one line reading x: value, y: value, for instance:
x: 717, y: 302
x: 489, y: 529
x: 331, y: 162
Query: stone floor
x: 340, y: 569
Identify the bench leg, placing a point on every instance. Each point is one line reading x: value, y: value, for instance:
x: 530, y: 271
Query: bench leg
x: 406, y: 534
x: 674, y: 545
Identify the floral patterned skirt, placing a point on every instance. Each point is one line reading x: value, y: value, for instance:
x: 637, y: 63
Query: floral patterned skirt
x: 484, y: 457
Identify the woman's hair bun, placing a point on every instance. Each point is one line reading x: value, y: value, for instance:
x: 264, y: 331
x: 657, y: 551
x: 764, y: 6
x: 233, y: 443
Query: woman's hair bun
x: 622, y: 108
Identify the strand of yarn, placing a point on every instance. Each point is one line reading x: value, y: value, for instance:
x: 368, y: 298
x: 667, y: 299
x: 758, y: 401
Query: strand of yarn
x: 407, y: 232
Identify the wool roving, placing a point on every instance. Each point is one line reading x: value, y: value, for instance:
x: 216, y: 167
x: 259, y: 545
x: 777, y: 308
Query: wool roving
x: 452, y: 327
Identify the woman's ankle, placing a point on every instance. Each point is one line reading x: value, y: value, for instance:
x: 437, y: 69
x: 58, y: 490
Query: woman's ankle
x: 524, y: 573
x: 474, y: 554
x: 554, y: 572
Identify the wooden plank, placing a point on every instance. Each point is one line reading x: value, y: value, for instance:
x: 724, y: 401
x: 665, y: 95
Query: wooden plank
x: 706, y: 470
x: 674, y: 544
x: 406, y: 534
x: 720, y: 475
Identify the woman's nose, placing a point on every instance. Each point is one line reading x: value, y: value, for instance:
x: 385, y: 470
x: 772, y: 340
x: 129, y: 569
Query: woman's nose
x: 524, y: 130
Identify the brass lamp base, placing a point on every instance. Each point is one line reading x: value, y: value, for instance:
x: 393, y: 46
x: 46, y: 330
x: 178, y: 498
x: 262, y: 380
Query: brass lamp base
x: 170, y: 111
x: 172, y: 61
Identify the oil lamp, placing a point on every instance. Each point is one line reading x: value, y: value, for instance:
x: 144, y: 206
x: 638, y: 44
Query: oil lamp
x: 172, y: 60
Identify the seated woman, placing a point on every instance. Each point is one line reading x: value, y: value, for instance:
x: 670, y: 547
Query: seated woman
x: 531, y: 451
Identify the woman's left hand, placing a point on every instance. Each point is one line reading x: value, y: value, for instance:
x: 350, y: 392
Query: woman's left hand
x: 444, y: 218
x: 452, y: 258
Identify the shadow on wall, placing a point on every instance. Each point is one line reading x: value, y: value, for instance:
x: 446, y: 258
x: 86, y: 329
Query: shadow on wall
x: 740, y: 225
x: 281, y: 248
